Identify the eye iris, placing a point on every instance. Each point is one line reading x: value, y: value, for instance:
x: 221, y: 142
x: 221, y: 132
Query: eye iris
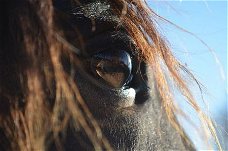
x: 114, y: 67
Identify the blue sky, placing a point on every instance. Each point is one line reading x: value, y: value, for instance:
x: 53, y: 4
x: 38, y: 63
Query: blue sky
x: 208, y: 21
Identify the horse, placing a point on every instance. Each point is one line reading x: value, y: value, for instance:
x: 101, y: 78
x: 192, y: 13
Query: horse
x: 89, y: 75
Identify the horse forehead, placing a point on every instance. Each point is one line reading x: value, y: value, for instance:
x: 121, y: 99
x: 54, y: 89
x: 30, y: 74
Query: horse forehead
x: 88, y: 8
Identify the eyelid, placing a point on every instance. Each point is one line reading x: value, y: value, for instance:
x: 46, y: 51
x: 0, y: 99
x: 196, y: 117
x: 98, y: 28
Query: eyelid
x: 86, y: 58
x: 109, y: 40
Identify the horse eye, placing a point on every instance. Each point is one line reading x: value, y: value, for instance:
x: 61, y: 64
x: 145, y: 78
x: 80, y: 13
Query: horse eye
x: 112, y: 67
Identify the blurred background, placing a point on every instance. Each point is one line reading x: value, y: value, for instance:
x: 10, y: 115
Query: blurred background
x: 207, y: 20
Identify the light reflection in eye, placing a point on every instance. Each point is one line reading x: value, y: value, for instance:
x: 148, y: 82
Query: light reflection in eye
x: 113, y: 67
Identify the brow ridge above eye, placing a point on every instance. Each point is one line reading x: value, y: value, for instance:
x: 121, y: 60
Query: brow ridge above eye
x: 108, y: 41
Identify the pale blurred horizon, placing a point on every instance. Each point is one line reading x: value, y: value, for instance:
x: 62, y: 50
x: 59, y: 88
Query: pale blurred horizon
x: 207, y: 20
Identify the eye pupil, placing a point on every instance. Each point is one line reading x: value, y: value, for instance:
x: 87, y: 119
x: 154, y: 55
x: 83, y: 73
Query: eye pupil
x: 114, y: 68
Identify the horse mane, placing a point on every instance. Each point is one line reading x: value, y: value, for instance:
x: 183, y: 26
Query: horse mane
x: 31, y: 73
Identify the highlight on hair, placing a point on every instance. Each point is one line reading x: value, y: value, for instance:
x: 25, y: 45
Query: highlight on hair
x: 36, y: 92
